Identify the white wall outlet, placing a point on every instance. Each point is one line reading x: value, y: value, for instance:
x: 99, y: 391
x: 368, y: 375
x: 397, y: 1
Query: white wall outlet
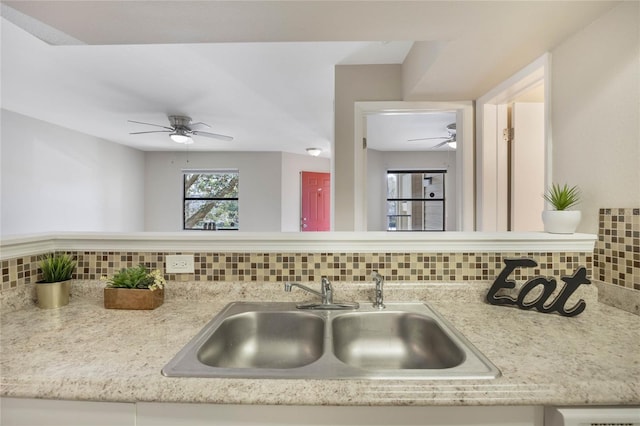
x: 179, y: 264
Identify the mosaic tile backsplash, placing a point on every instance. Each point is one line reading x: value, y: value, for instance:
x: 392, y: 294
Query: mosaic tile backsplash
x: 617, y: 251
x: 309, y: 267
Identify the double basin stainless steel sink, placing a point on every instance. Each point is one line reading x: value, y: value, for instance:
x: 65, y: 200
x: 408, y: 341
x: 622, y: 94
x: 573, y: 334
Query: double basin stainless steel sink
x: 276, y: 340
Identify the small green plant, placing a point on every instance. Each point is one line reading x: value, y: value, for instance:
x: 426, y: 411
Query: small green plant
x: 136, y: 277
x: 562, y: 197
x: 57, y: 267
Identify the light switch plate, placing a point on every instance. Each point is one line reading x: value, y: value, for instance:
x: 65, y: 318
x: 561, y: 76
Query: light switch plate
x: 179, y: 264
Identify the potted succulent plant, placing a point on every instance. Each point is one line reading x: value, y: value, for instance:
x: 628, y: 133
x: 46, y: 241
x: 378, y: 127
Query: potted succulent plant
x: 53, y: 291
x: 134, y: 288
x: 561, y: 220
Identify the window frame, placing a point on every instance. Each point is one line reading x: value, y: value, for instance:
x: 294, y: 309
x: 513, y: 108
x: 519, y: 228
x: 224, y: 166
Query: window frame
x: 401, y: 199
x: 185, y: 198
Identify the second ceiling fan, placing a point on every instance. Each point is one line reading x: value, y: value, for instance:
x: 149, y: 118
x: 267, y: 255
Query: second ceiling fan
x: 181, y: 129
x: 449, y: 140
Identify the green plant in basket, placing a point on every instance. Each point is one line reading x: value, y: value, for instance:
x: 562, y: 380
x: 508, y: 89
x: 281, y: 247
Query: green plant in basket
x: 57, y: 267
x: 136, y: 277
x: 562, y: 197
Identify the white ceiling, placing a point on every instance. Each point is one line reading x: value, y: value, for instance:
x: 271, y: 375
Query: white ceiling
x: 262, y: 72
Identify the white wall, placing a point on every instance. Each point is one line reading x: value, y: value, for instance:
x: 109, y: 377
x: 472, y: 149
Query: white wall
x: 259, y: 187
x: 292, y: 165
x: 595, y: 101
x: 378, y: 162
x: 55, y: 179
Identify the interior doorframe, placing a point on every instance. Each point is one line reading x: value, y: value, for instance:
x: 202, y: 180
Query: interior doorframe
x: 489, y: 193
x: 465, y: 173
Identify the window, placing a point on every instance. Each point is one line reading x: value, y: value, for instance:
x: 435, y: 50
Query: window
x: 211, y: 200
x: 415, y: 200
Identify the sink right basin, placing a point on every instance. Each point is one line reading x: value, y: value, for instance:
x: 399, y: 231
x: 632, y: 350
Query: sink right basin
x: 393, y: 340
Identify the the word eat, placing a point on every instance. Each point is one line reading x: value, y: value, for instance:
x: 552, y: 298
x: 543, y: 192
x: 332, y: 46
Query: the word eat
x: 549, y: 286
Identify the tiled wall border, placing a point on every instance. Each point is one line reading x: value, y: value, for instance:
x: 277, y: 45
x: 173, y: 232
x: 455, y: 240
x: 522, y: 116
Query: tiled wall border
x: 617, y: 250
x: 305, y: 267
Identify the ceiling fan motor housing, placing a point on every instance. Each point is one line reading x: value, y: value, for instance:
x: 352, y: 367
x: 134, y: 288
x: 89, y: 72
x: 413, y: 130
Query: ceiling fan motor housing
x: 180, y: 121
x: 451, y: 128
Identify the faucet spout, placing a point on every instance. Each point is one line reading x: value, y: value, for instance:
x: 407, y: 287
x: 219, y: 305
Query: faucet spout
x: 289, y: 286
x: 379, y: 295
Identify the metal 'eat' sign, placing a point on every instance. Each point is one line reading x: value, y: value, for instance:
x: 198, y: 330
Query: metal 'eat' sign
x: 541, y: 303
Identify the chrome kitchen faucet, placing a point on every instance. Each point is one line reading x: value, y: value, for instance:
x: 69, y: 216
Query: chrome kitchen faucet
x: 325, y: 294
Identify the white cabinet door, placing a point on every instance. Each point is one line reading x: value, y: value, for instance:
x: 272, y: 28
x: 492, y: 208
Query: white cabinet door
x: 154, y: 414
x: 44, y: 412
x: 38, y: 412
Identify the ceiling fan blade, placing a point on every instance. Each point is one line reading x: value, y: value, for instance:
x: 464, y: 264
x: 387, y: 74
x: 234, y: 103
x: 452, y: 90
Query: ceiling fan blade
x: 213, y: 135
x: 151, y: 131
x: 442, y: 143
x: 150, y: 124
x: 426, y: 139
x: 199, y: 123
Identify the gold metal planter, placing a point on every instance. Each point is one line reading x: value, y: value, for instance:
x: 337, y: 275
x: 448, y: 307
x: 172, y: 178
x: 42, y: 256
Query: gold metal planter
x: 53, y: 295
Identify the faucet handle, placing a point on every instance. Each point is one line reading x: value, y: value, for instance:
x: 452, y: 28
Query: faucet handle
x: 379, y: 292
x: 325, y: 282
x: 327, y: 290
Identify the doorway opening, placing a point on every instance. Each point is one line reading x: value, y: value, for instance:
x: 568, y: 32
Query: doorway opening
x: 525, y: 165
x: 462, y: 218
x: 513, y: 151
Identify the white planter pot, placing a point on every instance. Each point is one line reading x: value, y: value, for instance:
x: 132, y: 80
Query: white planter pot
x: 561, y: 221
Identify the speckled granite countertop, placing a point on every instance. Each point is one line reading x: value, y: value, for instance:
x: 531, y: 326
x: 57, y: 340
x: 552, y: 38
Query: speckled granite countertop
x: 85, y: 352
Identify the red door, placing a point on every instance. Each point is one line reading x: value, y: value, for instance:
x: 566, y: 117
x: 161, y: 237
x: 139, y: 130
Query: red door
x: 316, y: 199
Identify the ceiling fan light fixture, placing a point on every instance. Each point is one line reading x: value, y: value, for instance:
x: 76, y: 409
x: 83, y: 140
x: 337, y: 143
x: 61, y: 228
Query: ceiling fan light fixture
x: 314, y: 152
x: 452, y: 144
x: 181, y: 137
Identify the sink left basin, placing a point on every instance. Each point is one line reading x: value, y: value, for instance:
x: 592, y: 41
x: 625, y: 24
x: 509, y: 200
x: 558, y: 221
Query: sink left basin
x: 264, y: 340
x: 249, y: 339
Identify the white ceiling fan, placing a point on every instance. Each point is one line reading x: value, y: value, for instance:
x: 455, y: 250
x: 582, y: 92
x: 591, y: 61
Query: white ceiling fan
x: 449, y: 140
x: 181, y: 129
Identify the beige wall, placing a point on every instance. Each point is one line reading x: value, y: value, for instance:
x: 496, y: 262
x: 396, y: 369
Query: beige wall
x: 595, y: 111
x: 415, y: 66
x: 355, y: 83
x: 595, y: 114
